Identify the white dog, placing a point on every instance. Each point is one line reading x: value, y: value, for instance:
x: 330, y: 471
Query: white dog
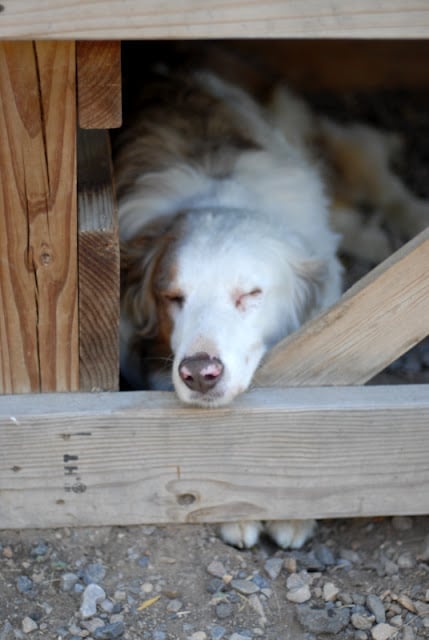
x: 227, y: 247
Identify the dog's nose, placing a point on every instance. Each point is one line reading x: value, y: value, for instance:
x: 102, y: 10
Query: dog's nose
x: 200, y: 372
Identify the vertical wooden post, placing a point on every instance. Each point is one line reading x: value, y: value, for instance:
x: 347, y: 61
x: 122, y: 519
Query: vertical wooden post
x: 38, y: 219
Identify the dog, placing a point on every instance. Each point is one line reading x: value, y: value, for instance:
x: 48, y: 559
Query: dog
x: 227, y: 241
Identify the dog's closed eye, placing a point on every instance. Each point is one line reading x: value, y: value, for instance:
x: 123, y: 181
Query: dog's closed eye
x: 245, y: 300
x: 175, y: 298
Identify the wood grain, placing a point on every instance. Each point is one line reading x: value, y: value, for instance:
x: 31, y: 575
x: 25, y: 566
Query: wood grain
x: 114, y: 19
x: 381, y: 317
x: 99, y: 84
x: 99, y: 459
x: 98, y: 264
x: 38, y: 271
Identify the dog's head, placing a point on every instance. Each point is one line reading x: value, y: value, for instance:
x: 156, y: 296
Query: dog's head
x: 218, y: 292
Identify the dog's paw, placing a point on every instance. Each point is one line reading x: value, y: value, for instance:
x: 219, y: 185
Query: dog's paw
x: 243, y: 535
x: 290, y: 533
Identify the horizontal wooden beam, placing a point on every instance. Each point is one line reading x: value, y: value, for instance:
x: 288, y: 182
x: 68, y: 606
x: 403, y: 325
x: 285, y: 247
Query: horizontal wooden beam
x: 187, y: 19
x: 377, y: 320
x: 141, y: 457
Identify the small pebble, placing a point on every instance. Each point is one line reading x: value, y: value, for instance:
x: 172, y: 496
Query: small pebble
x: 360, y: 635
x: 109, y: 631
x: 322, y: 620
x: 406, y: 561
x: 224, y: 610
x: 376, y: 606
x: 68, y: 581
x: 174, y: 605
x: 92, y: 596
x: 239, y: 636
x: 383, y: 631
x: 273, y: 567
x: 360, y: 621
x: 29, y: 625
x: 406, y: 603
x: 245, y: 587
x: 199, y: 635
x: 216, y: 569
x: 299, y: 594
x: 41, y: 549
x: 217, y: 632
x: 24, y: 584
x: 324, y: 555
x: 94, y: 573
x: 330, y: 592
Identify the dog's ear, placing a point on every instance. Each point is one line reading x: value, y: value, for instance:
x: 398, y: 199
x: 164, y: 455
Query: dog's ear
x: 312, y: 275
x: 140, y: 261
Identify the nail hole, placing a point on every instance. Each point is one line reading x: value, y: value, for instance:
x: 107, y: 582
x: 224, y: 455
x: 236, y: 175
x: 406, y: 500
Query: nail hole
x: 185, y: 499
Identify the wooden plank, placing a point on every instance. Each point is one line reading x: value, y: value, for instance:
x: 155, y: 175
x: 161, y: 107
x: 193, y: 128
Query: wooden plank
x: 141, y: 457
x: 38, y: 272
x: 114, y: 19
x: 99, y: 84
x: 382, y: 316
x: 98, y: 264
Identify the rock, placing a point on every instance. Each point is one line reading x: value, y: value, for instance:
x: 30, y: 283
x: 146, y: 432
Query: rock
x: 29, y: 625
x: 94, y: 573
x: 174, y: 605
x: 41, y: 549
x: 361, y: 621
x: 92, y: 596
x: 273, y: 567
x: 408, y: 633
x: 299, y: 594
x: 350, y: 556
x: 245, y: 587
x: 402, y: 523
x: 383, y: 631
x: 224, y: 610
x: 6, y: 632
x: 239, y: 636
x: 24, y: 584
x: 330, y: 592
x: 217, y: 632
x: 216, y: 569
x: 360, y: 635
x: 199, y: 635
x: 322, y: 620
x: 375, y: 605
x: 68, y: 581
x: 406, y: 561
x: 109, y: 631
x: 406, y: 603
x: 324, y: 555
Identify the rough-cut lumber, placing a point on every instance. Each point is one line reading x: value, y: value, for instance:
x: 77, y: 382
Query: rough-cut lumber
x: 382, y: 316
x: 98, y: 459
x: 98, y: 264
x: 112, y: 19
x: 99, y: 84
x: 38, y: 270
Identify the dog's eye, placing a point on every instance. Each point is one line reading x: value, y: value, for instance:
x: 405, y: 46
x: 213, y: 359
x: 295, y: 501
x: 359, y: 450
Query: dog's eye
x: 175, y: 298
x: 245, y: 300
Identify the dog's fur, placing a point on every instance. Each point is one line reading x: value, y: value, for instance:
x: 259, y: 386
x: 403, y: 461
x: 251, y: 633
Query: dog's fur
x: 227, y: 244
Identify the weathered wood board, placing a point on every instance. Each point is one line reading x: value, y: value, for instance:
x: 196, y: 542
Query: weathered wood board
x: 99, y: 459
x: 377, y: 320
x: 99, y: 84
x: 98, y: 244
x: 116, y: 19
x: 38, y: 219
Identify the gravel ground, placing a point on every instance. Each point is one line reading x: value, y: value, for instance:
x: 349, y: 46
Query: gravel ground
x: 357, y: 579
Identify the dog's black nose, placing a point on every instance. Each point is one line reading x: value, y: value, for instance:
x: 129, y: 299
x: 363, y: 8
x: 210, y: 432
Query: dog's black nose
x: 200, y: 372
